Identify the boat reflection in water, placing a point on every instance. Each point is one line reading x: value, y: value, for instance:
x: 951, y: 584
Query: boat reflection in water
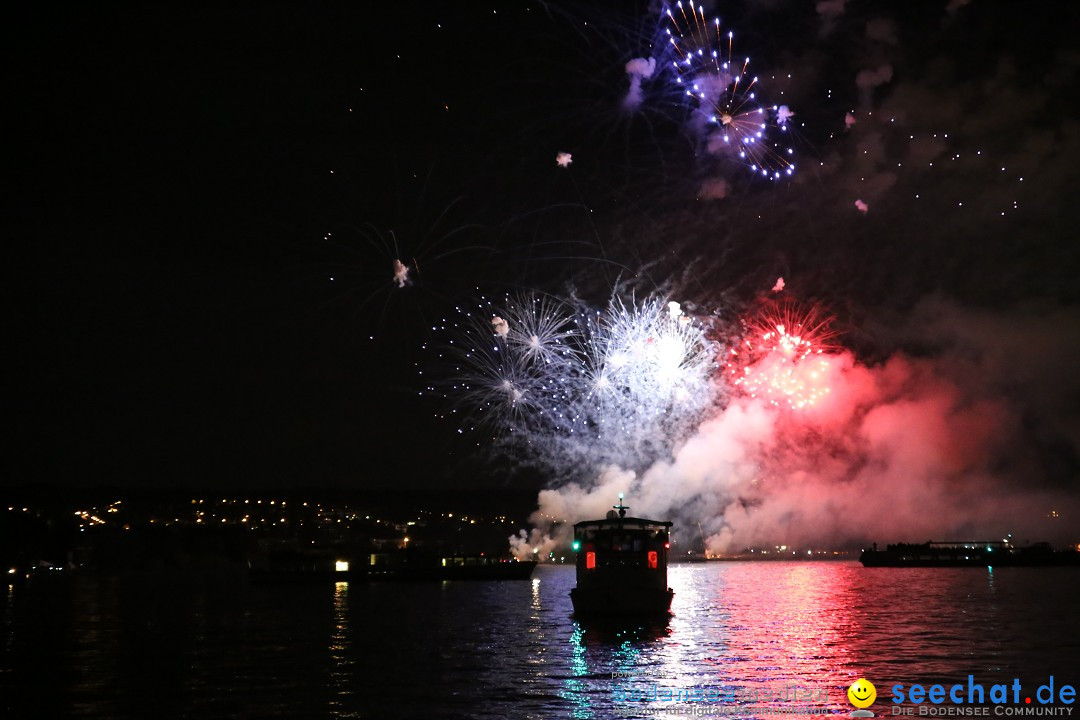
x: 621, y: 566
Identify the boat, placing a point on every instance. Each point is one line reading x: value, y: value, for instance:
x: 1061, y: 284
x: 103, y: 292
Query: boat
x: 451, y: 567
x: 622, y: 566
x: 329, y: 565
x: 968, y: 553
x: 471, y: 567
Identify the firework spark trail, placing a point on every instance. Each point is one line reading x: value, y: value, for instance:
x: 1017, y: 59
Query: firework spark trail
x: 737, y: 124
x: 578, y: 388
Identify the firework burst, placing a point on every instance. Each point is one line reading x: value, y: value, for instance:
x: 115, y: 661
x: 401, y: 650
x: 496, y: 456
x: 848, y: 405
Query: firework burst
x: 738, y: 125
x: 579, y: 388
x: 783, y: 358
x: 509, y: 363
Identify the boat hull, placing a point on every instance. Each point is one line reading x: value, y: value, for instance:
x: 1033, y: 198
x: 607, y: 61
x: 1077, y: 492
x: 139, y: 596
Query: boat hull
x: 611, y: 602
x: 495, y: 571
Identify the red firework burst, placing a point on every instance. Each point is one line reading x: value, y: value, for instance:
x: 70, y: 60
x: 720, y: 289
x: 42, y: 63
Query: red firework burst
x: 783, y: 358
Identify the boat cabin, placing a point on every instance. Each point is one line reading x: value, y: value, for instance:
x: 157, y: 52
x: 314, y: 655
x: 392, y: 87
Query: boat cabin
x: 621, y: 565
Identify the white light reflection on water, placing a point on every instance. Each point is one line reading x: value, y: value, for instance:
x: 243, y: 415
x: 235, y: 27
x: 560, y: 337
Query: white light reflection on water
x: 535, y: 650
x: 341, y: 664
x: 9, y: 625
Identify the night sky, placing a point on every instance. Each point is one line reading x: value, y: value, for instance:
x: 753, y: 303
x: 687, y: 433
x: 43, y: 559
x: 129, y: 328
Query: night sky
x: 204, y: 204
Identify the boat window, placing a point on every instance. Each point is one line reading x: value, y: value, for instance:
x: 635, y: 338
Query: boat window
x: 652, y: 560
x: 590, y: 560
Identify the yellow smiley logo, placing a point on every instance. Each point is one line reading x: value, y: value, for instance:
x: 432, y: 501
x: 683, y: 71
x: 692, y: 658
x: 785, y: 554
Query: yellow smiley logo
x: 862, y: 693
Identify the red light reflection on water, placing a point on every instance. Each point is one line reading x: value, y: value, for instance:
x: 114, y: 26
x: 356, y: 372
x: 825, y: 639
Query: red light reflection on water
x: 764, y: 627
x: 764, y: 635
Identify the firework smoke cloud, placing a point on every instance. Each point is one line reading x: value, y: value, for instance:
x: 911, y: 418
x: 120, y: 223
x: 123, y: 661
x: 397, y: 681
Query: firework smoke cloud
x: 401, y: 273
x: 637, y: 70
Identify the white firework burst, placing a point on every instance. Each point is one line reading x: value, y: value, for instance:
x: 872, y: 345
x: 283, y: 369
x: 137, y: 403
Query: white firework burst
x: 580, y: 389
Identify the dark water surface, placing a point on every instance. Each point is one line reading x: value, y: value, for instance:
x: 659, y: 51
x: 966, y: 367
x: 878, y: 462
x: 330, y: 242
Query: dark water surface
x: 159, y: 648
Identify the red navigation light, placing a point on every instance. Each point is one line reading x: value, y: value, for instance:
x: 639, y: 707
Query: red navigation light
x: 667, y: 546
x: 590, y: 560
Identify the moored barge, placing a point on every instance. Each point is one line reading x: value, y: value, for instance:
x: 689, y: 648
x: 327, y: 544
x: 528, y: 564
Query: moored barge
x: 968, y: 553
